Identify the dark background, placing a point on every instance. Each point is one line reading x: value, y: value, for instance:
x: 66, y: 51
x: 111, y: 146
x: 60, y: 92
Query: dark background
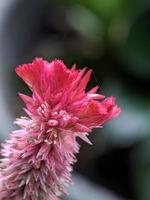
x: 113, y: 38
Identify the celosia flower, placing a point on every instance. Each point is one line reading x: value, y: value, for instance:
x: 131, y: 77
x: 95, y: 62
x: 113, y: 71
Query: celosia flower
x: 37, y: 159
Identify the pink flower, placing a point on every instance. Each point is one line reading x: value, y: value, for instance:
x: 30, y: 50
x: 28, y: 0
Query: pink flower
x: 37, y: 159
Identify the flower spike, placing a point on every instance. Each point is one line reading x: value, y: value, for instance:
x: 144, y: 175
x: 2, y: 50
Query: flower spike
x: 37, y: 160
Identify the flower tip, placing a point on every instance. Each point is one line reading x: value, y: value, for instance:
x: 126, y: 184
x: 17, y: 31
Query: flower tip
x: 58, y: 61
x: 116, y: 111
x: 17, y: 70
x: 119, y: 110
x: 90, y: 72
x: 73, y: 68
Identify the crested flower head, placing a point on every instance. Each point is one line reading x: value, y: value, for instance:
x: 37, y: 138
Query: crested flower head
x: 38, y: 158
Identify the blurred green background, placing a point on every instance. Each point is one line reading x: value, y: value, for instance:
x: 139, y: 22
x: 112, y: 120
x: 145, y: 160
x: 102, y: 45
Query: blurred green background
x: 113, y: 38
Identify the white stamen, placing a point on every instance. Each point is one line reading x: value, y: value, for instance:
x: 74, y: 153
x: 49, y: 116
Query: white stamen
x: 53, y: 122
